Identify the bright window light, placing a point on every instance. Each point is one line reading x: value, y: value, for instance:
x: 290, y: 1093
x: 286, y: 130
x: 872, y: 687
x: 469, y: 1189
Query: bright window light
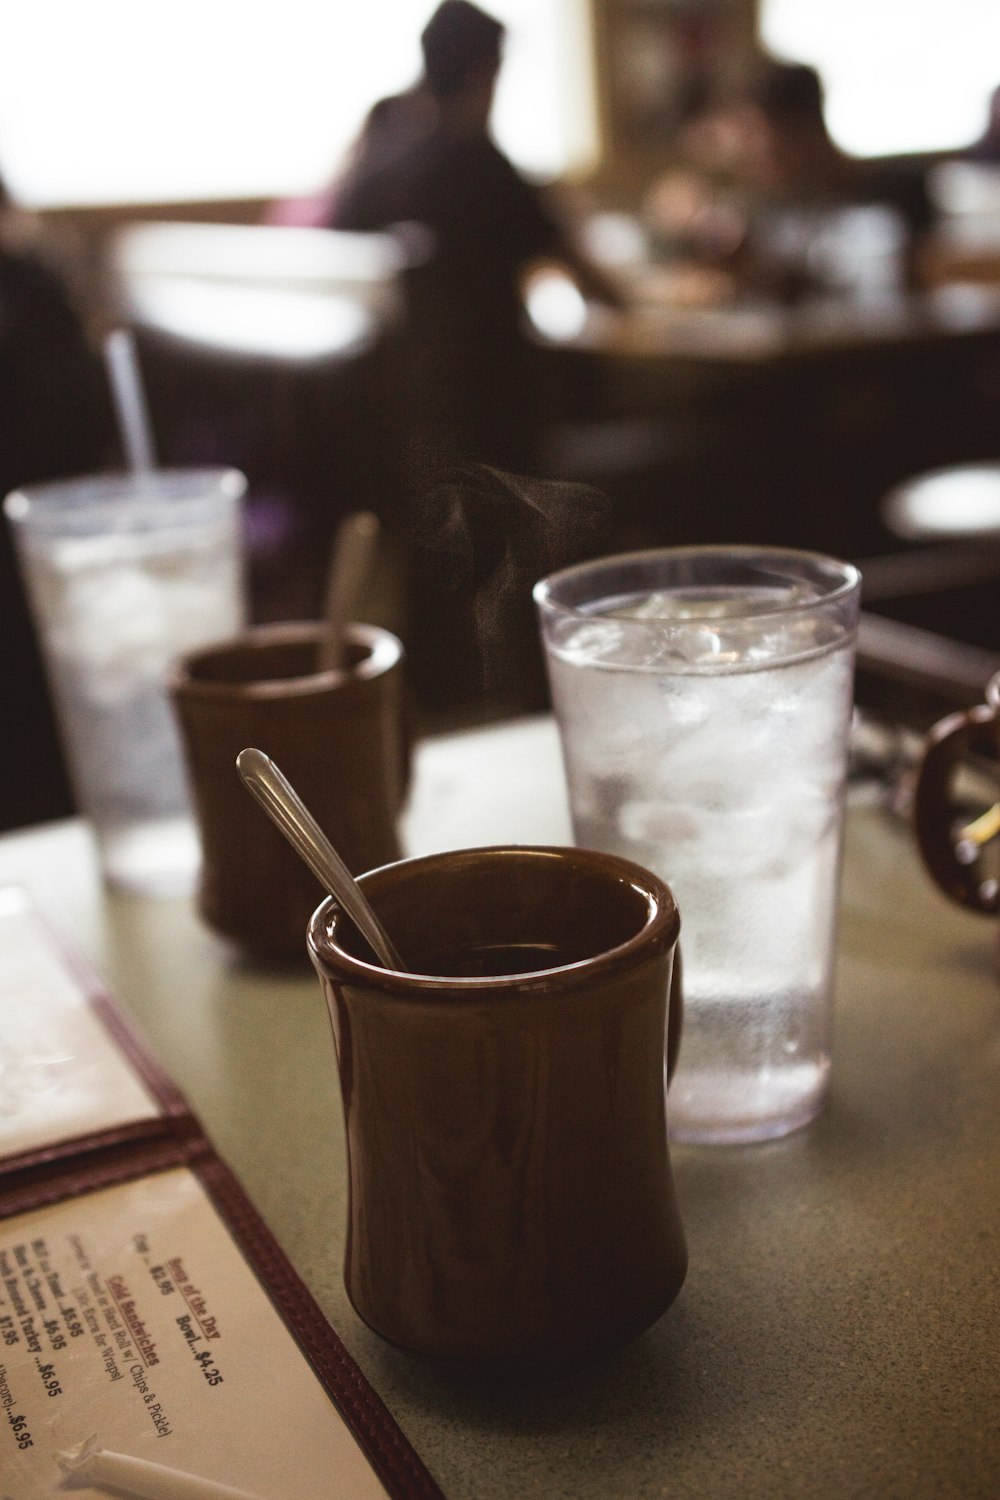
x: 140, y: 101
x: 555, y: 306
x: 254, y: 320
x: 900, y: 75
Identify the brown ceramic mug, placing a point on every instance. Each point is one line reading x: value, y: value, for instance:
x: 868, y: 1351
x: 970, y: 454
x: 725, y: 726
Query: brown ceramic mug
x: 511, y: 1203
x: 340, y: 738
x: 952, y: 859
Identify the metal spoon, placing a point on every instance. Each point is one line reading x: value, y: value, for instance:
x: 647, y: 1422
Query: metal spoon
x: 288, y: 812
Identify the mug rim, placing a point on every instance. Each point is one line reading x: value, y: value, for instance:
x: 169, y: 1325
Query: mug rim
x: 661, y: 929
x: 385, y: 651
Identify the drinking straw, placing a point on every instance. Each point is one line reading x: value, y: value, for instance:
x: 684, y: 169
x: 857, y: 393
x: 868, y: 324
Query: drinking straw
x: 140, y: 1478
x: 130, y: 401
x: 350, y: 565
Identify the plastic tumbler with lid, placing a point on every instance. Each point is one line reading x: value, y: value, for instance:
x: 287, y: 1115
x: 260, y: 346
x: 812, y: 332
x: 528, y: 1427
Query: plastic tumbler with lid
x: 124, y: 573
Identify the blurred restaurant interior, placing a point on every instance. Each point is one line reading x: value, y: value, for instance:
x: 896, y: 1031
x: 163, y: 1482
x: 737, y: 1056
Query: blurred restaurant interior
x: 739, y: 331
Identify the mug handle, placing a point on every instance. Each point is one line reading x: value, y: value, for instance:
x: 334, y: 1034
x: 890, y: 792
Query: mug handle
x: 949, y: 743
x: 675, y: 1014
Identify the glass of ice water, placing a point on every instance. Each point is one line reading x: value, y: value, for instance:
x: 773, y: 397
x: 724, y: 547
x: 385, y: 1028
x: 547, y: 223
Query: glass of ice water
x: 703, y: 697
x: 124, y: 573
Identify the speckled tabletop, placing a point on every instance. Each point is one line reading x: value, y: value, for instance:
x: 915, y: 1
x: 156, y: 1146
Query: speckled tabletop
x: 838, y: 1333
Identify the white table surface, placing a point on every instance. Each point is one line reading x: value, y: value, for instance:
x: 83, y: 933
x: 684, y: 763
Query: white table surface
x: 838, y: 1334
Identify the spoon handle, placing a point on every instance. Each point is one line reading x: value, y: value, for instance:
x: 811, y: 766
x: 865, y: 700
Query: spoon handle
x: 350, y: 564
x: 289, y: 813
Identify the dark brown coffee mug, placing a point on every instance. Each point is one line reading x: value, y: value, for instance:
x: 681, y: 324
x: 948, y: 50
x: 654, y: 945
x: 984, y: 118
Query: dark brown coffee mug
x: 339, y: 737
x: 952, y: 859
x: 511, y: 1203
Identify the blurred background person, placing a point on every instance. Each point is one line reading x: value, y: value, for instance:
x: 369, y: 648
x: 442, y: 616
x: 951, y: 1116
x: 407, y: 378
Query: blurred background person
x: 986, y: 147
x: 795, y: 179
x: 817, y: 219
x: 475, y: 380
x: 391, y: 128
x: 55, y: 420
x: 788, y: 152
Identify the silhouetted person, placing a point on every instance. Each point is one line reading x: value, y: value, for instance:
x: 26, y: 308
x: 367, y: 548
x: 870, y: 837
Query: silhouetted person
x: 392, y: 127
x: 986, y: 148
x: 475, y: 387
x: 800, y: 181
x: 55, y: 420
x: 792, y: 154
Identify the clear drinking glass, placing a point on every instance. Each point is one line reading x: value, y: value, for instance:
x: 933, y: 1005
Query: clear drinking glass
x: 124, y: 573
x: 703, y: 697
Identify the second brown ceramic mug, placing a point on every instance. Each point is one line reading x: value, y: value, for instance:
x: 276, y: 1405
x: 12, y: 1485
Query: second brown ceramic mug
x: 340, y: 738
x: 511, y: 1203
x: 950, y: 858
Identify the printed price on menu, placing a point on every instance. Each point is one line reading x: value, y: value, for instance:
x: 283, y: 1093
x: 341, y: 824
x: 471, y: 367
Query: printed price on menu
x: 135, y: 1339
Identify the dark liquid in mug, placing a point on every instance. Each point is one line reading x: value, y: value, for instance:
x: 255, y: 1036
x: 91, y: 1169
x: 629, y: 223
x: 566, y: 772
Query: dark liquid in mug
x: 502, y: 958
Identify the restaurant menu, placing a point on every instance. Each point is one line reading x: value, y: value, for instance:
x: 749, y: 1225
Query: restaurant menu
x: 154, y: 1340
x: 61, y: 1073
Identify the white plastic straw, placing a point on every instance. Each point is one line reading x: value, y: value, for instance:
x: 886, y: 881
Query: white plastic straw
x: 139, y: 1478
x: 130, y: 401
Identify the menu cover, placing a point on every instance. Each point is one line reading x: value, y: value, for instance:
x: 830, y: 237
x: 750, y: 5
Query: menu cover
x: 154, y: 1339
